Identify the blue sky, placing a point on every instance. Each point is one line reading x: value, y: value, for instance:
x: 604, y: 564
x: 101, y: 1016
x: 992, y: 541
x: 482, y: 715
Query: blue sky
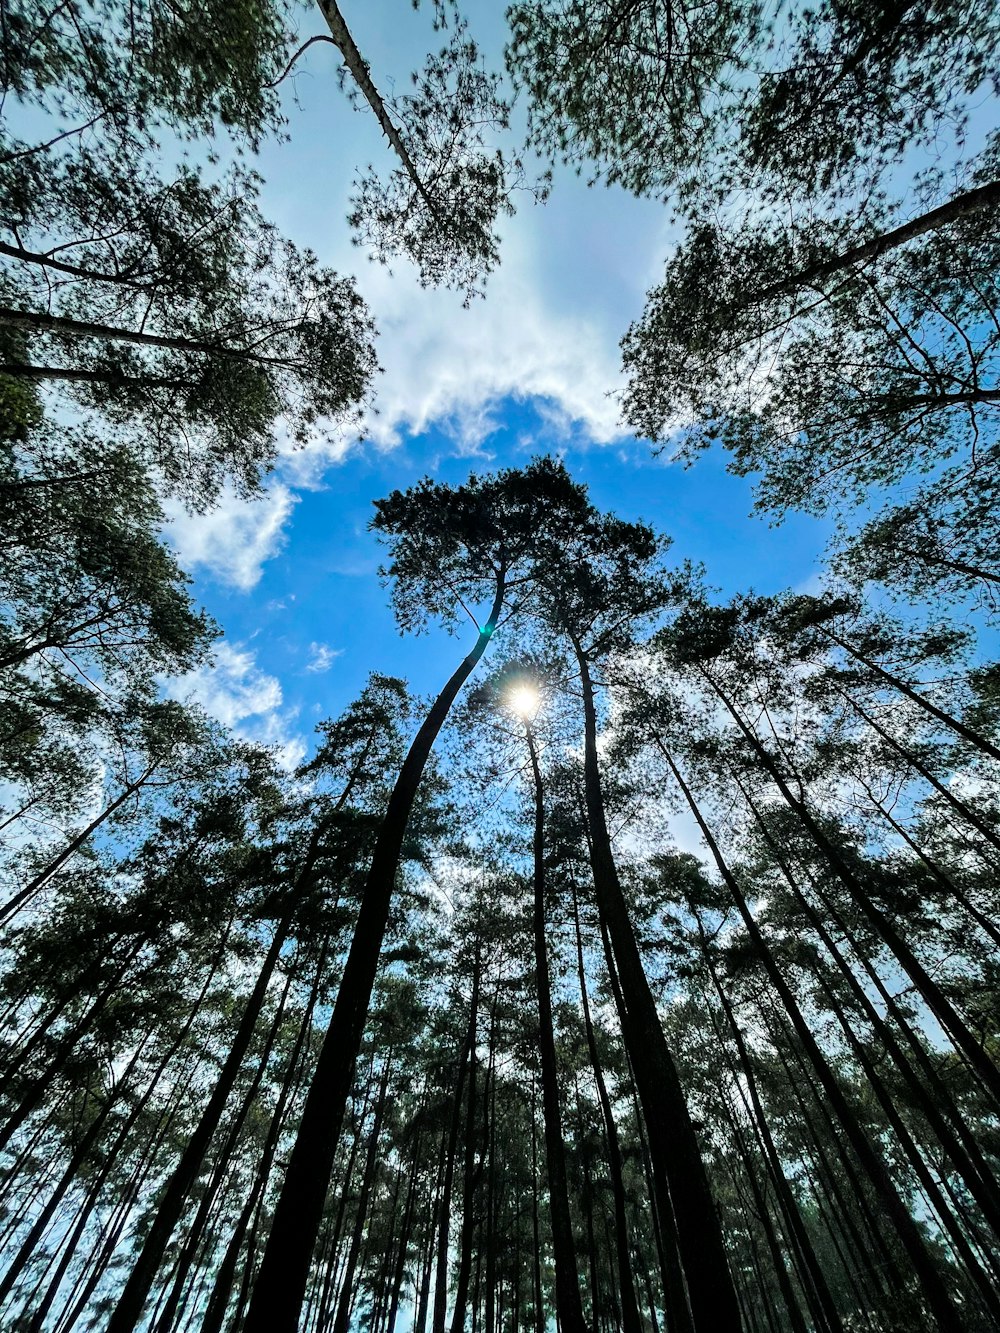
x: 531, y: 369
x: 317, y: 619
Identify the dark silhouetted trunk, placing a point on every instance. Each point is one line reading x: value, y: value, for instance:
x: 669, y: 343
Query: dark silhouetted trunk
x: 568, y: 1304
x: 280, y: 1288
x: 346, y: 1296
x: 680, y: 1180
x: 630, y: 1320
x: 941, y: 1007
x: 909, y: 1234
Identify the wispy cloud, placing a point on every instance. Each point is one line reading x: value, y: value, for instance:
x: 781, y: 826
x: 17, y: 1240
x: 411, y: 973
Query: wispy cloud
x: 235, y: 538
x: 245, y: 699
x: 322, y: 656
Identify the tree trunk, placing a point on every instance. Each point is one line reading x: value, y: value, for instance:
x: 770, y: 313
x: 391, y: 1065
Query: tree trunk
x: 679, y: 1174
x: 909, y: 1234
x: 968, y: 1159
x: 630, y: 1320
x: 358, y: 70
x: 35, y: 321
x: 185, y: 1259
x: 536, y: 1268
x: 466, y: 1069
x: 960, y: 206
x: 937, y: 1001
x: 74, y: 845
x: 129, y: 1309
x: 404, y: 1237
x: 568, y: 1304
x: 222, y: 1286
x: 347, y: 1290
x: 470, y: 1177
x: 280, y: 1287
x: 821, y: 1301
x: 35, y: 1093
x: 952, y: 723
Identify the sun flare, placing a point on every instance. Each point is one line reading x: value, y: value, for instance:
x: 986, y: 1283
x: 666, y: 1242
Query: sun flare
x: 524, y: 700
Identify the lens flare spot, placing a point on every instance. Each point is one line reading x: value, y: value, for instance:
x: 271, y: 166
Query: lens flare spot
x: 524, y: 701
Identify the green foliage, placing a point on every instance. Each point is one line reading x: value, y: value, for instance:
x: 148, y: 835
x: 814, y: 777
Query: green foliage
x: 183, y: 66
x: 821, y: 955
x: 694, y: 100
x: 442, y: 215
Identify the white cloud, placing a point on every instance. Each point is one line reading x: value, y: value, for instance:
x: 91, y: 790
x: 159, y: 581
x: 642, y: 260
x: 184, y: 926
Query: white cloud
x: 322, y: 656
x: 573, y: 275
x: 449, y: 367
x: 244, y: 699
x: 231, y: 689
x: 234, y: 539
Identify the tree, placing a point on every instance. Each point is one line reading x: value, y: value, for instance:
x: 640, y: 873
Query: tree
x: 196, y: 385
x: 91, y: 585
x: 594, y: 594
x: 452, y: 550
x: 701, y: 100
x: 816, y: 376
x: 440, y: 205
x: 518, y: 691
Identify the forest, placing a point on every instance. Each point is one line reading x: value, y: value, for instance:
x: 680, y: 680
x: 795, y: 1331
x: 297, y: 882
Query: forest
x: 445, y: 1027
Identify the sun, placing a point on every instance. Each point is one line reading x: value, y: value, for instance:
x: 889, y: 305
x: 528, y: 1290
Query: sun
x: 524, y: 700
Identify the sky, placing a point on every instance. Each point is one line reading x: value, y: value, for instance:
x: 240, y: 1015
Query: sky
x: 533, y: 368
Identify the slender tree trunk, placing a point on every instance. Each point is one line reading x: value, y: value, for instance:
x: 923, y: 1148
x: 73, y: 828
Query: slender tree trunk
x: 347, y: 1286
x: 223, y: 1284
x: 358, y: 69
x: 761, y: 1207
x: 280, y: 1288
x: 132, y: 1300
x: 74, y: 845
x: 125, y: 1209
x: 967, y: 1155
x: 568, y: 1303
x: 961, y: 808
x: 987, y: 924
x: 422, y: 1294
x: 942, y: 1008
x: 871, y: 1265
x: 94, y: 1132
x: 470, y: 1177
x: 35, y: 321
x: 380, y: 1284
x: 821, y: 1301
x: 587, y: 1203
x: 954, y: 724
x: 665, y: 1227
x: 963, y: 205
x: 332, y: 1258
x: 77, y: 1158
x: 466, y: 1069
x: 959, y: 1241
x: 188, y: 1252
x: 536, y: 1268
x: 404, y: 1237
x: 679, y: 1173
x: 33, y: 1096
x: 909, y: 1234
x: 42, y: 260
x: 490, y: 1245
x: 630, y: 1320
x: 78, y: 375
